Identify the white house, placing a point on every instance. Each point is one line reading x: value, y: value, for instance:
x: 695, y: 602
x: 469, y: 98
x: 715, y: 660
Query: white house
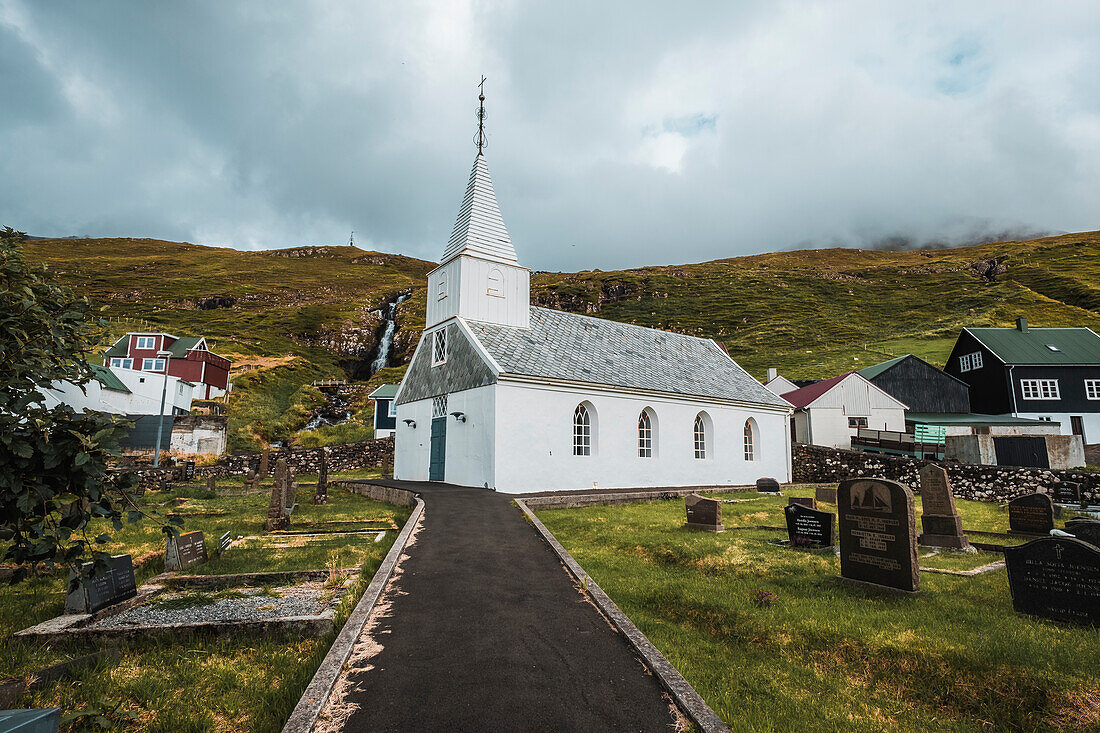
x: 829, y: 413
x: 778, y: 384
x: 123, y: 392
x: 504, y: 395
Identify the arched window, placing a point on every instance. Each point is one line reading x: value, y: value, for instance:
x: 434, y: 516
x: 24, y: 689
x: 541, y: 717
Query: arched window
x: 645, y: 435
x: 700, y: 436
x: 750, y: 440
x: 582, y: 431
x: 495, y: 285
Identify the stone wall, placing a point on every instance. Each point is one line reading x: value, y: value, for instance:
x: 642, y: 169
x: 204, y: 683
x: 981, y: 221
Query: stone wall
x: 815, y: 464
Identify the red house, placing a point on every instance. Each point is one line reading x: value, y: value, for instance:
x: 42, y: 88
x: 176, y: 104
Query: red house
x: 190, y: 360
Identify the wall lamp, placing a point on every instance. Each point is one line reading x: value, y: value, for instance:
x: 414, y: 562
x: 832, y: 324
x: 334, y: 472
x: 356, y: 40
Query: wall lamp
x: 411, y: 423
x: 460, y: 416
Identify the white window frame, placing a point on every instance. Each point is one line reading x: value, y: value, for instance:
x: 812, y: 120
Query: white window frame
x: 700, y: 433
x: 645, y: 435
x: 582, y: 431
x: 439, y: 406
x: 964, y: 363
x: 858, y: 420
x: 976, y: 360
x: 750, y: 441
x: 1092, y: 389
x: 140, y: 342
x: 392, y: 409
x: 119, y: 362
x: 439, y: 347
x: 1040, y: 389
x: 152, y: 365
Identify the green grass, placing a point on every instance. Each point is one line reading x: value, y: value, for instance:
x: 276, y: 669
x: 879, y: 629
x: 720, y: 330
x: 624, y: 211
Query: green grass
x: 203, y: 684
x: 828, y: 655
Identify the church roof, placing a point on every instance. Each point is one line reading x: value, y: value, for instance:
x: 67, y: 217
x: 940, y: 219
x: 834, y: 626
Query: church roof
x: 571, y: 347
x: 479, y: 229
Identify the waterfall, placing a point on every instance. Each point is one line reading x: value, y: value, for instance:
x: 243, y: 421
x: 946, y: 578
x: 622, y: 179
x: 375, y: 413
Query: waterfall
x: 389, y: 313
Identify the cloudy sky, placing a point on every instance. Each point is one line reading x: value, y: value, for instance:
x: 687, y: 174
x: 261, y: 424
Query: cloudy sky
x: 621, y: 134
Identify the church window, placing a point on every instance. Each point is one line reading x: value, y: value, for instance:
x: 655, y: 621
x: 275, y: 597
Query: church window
x: 495, y: 286
x: 700, y: 437
x: 439, y: 347
x: 441, y: 288
x: 582, y: 431
x: 750, y: 440
x: 645, y: 434
x: 439, y: 406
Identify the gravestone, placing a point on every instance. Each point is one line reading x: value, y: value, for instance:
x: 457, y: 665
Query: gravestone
x: 223, y: 543
x: 265, y: 459
x: 1030, y: 514
x: 703, y: 513
x: 211, y: 484
x: 940, y: 520
x: 103, y: 589
x: 185, y: 551
x: 807, y: 526
x: 806, y: 501
x: 1057, y: 578
x: 188, y: 470
x: 1066, y: 492
x: 767, y: 485
x: 878, y: 533
x: 1086, y: 531
x: 277, y: 515
x: 826, y: 494
x: 321, y: 495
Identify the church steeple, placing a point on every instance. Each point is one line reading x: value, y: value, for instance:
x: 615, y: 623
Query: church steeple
x: 480, y: 277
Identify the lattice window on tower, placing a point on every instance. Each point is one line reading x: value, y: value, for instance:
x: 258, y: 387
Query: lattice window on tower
x: 439, y: 406
x: 439, y: 347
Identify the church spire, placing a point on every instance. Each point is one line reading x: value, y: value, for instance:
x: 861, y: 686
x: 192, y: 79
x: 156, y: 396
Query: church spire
x: 479, y: 230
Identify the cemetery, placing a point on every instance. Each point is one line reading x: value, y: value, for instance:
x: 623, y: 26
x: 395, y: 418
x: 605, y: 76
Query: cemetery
x: 860, y: 606
x: 226, y: 612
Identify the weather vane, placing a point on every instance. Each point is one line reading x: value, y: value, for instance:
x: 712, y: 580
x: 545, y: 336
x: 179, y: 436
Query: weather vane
x: 480, y: 139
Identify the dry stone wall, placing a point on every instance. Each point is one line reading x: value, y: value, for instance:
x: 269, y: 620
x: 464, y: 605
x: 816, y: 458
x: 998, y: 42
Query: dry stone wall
x: 815, y: 464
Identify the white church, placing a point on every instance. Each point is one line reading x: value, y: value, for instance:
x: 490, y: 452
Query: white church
x: 504, y: 395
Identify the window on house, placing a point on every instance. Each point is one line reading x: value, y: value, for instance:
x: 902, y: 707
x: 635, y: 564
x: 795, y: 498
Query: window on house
x: 1052, y: 347
x: 976, y: 360
x: 645, y: 435
x: 1092, y: 389
x: 439, y: 347
x: 857, y: 422
x: 152, y: 365
x: 441, y: 288
x: 964, y: 363
x: 750, y: 440
x: 700, y: 437
x: 1045, y: 418
x: 146, y: 342
x: 392, y: 410
x: 439, y: 406
x: 120, y: 363
x: 582, y: 431
x: 495, y: 286
x: 1039, y: 389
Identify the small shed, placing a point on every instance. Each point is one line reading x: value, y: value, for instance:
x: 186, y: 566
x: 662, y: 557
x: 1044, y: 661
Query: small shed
x: 385, y: 410
x: 832, y: 412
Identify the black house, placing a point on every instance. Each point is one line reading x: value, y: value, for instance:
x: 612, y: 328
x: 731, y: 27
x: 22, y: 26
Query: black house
x: 921, y: 386
x: 1039, y: 373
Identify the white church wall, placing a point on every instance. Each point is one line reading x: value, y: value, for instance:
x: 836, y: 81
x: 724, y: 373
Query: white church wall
x: 443, y: 290
x: 495, y: 292
x: 469, y: 455
x: 535, y: 442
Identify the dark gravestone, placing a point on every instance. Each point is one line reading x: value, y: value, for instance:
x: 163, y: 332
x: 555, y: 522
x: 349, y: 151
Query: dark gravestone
x: 1031, y: 514
x: 807, y: 526
x: 185, y: 551
x: 1066, y: 492
x: 1057, y: 578
x: 103, y: 589
x: 223, y: 543
x: 767, y: 485
x: 806, y: 501
x: 321, y: 495
x: 1088, y: 531
x: 940, y: 520
x: 277, y: 515
x: 878, y: 533
x: 826, y: 494
x: 265, y: 459
x: 211, y: 484
x: 188, y: 470
x: 703, y: 513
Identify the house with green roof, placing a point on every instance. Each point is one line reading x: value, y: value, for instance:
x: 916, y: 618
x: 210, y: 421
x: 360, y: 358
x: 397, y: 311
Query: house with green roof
x: 1047, y: 374
x: 385, y: 410
x: 185, y: 357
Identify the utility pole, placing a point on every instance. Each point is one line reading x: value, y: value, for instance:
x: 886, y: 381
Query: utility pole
x: 167, y: 356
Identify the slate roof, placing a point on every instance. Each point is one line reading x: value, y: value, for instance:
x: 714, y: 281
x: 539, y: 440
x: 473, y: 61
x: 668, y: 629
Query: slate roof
x: 1013, y: 346
x: 804, y: 396
x: 571, y: 347
x: 479, y: 229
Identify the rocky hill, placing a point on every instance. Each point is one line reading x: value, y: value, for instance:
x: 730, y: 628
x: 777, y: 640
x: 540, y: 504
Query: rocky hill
x: 311, y: 312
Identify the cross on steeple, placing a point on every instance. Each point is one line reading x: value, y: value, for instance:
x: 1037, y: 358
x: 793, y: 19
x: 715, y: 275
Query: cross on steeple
x: 481, y: 141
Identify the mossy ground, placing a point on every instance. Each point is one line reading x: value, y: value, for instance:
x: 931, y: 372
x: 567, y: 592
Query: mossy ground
x: 826, y: 655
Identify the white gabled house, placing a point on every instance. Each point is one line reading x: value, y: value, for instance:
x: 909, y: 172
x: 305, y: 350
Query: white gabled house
x: 831, y: 412
x: 504, y: 395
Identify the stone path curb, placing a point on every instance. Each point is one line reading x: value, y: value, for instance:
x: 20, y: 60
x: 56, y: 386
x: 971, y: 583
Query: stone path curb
x: 687, y: 699
x: 320, y: 687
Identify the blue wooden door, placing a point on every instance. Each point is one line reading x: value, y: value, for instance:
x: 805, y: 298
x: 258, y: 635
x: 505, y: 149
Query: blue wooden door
x: 438, y: 450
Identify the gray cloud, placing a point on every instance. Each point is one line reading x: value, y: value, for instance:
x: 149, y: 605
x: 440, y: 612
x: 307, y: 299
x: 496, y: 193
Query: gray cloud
x: 620, y: 134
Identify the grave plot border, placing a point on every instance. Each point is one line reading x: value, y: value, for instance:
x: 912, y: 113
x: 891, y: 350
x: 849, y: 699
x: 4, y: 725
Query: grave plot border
x: 319, y: 689
x: 684, y: 695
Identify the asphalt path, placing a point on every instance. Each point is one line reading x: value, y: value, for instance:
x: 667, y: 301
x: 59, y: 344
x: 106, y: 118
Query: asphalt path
x: 488, y: 632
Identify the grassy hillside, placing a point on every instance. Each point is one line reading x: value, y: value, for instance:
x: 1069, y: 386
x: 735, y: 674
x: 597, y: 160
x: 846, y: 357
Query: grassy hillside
x: 307, y: 313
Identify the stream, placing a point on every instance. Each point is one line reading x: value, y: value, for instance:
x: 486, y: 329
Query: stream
x: 389, y: 313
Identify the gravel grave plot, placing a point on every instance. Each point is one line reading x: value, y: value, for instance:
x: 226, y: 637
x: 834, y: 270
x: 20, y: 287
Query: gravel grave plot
x: 252, y: 604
